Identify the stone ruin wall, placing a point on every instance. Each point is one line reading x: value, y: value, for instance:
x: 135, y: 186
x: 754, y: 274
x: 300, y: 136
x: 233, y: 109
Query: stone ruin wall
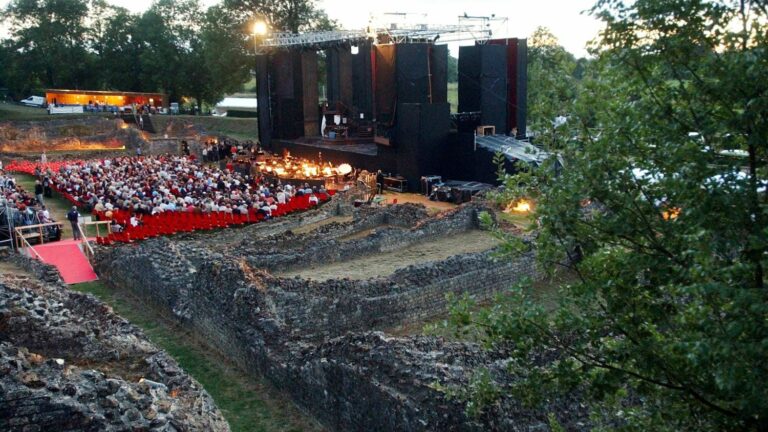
x: 313, y: 339
x: 68, y: 363
x: 91, y: 134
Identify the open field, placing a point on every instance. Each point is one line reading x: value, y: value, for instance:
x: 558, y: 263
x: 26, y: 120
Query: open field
x: 238, y: 128
x: 384, y: 264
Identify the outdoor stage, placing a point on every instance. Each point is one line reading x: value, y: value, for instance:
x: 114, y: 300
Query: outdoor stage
x: 368, y: 155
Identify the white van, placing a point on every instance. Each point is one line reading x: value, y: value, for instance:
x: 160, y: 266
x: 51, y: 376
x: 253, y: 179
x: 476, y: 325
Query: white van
x: 37, y: 101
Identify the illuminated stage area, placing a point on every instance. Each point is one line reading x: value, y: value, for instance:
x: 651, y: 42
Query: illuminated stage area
x: 387, y: 102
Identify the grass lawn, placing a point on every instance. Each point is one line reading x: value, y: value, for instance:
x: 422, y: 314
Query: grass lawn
x: 10, y: 111
x: 453, y: 96
x: 247, y: 403
x: 237, y: 128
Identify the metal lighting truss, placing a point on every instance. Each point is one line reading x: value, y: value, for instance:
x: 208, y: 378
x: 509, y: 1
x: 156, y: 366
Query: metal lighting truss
x: 391, y: 28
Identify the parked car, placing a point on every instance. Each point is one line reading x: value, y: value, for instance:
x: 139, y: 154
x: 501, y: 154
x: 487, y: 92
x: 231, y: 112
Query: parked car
x: 36, y: 101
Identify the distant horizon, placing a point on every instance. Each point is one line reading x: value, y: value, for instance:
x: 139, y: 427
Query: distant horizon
x: 562, y: 17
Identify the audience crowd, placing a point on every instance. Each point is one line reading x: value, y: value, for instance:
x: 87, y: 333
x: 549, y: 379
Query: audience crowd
x: 157, y: 184
x: 22, y: 208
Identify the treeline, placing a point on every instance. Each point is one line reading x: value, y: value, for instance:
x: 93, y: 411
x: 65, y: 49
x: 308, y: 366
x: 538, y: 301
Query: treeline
x: 176, y: 47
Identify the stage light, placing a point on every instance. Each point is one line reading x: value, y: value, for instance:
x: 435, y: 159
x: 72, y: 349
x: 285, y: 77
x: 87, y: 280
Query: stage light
x: 344, y: 169
x: 260, y: 28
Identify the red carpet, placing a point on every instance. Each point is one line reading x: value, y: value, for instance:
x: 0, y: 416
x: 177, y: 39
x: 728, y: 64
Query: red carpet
x: 69, y: 259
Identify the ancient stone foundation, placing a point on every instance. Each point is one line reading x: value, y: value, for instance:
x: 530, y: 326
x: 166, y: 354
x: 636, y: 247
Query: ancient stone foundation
x: 67, y: 363
x: 323, y: 340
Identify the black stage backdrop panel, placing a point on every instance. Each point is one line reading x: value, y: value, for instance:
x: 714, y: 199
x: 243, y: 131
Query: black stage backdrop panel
x: 285, y: 108
x: 310, y: 97
x: 384, y: 76
x: 422, y: 133
x: 345, y: 77
x: 385, y: 94
x: 282, y: 68
x: 286, y: 111
x: 493, y: 83
x: 362, y: 86
x: 332, y: 74
x: 483, y: 83
x: 517, y: 83
x: 521, y: 97
x: 469, y: 79
x: 263, y: 101
x: 413, y: 73
x: 438, y: 67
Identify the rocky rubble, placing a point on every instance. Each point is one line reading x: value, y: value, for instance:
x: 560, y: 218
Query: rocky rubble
x: 320, y: 341
x: 67, y: 362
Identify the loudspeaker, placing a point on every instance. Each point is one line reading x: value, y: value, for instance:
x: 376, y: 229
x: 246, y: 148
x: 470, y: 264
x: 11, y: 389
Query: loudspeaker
x: 483, y: 83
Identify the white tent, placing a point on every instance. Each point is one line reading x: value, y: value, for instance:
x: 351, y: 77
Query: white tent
x: 236, y: 104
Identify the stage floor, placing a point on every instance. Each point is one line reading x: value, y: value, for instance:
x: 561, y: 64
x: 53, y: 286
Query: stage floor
x: 368, y: 149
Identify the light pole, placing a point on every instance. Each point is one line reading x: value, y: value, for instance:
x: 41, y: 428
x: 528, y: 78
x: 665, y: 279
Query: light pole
x: 260, y: 31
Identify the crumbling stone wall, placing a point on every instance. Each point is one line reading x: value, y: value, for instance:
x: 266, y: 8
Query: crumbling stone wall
x: 312, y: 338
x: 66, y: 135
x: 68, y: 363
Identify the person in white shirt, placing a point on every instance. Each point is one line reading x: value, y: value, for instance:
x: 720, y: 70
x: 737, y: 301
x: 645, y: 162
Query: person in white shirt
x: 313, y: 199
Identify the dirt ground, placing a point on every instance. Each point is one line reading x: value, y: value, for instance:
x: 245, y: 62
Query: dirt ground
x: 313, y: 226
x: 386, y: 263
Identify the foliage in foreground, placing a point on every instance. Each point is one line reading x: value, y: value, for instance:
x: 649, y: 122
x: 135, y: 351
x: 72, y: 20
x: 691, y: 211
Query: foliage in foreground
x: 661, y: 214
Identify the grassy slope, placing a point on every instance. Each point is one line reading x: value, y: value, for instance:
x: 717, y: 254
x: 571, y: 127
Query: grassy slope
x: 238, y: 128
x: 247, y: 404
x: 24, y: 113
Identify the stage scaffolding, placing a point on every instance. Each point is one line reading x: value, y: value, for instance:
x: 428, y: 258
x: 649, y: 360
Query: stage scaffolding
x: 391, y: 28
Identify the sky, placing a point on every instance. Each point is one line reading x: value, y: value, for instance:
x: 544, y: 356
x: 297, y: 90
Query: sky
x: 563, y: 17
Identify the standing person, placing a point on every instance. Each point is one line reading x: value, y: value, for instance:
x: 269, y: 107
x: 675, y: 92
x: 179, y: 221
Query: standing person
x: 43, y: 159
x: 39, y: 192
x: 380, y: 182
x: 138, y: 150
x: 47, y: 191
x: 73, y: 217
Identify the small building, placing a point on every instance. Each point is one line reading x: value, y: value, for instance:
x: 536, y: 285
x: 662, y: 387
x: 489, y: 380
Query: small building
x: 109, y: 98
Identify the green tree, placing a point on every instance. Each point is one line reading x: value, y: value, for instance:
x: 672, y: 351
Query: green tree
x: 552, y: 89
x: 49, y: 42
x: 169, y: 33
x: 453, y: 69
x: 226, y: 54
x: 282, y: 15
x: 660, y: 215
x: 120, y: 51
